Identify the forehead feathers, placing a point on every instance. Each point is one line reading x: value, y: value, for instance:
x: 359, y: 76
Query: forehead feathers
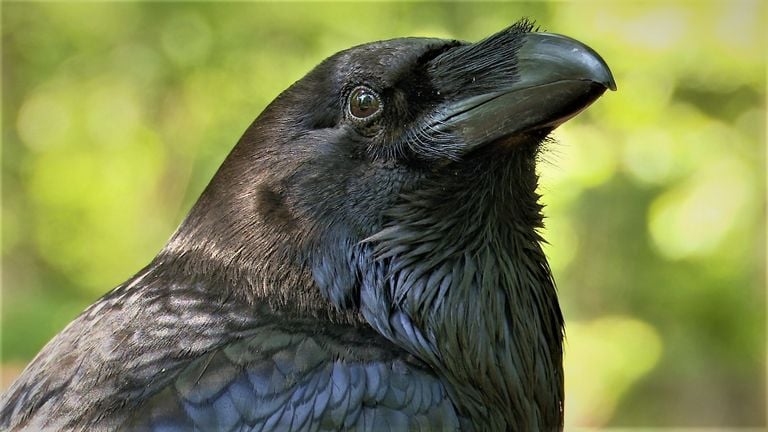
x: 383, y: 64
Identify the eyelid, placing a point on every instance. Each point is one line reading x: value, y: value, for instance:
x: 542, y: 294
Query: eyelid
x: 348, y: 103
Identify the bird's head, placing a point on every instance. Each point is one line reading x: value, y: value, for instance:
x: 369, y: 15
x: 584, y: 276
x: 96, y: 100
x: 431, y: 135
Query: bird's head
x: 331, y: 162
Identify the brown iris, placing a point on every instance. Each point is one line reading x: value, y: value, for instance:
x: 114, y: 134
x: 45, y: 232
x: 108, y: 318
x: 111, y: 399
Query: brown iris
x: 363, y: 103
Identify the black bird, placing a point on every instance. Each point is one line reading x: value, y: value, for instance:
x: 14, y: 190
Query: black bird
x: 367, y: 257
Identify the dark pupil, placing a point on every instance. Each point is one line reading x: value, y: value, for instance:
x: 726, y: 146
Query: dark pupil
x: 364, y: 104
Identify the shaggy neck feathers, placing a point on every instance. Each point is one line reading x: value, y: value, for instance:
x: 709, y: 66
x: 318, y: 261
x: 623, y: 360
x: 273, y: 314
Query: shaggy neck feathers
x: 461, y: 281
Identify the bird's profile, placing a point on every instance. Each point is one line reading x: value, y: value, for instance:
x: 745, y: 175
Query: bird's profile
x: 366, y: 258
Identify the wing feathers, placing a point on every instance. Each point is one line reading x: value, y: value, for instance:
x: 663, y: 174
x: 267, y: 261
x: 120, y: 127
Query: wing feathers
x: 298, y: 382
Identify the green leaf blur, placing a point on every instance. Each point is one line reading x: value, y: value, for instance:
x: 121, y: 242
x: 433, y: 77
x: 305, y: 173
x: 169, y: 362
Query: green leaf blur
x: 116, y: 115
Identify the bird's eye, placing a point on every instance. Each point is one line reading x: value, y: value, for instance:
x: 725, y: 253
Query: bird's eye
x: 363, y: 103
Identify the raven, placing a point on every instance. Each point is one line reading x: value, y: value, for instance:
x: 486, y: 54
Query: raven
x: 367, y: 257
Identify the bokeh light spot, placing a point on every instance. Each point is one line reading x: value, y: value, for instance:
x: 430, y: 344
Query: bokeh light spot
x: 658, y: 29
x: 694, y: 218
x: 603, y: 358
x: 44, y: 120
x: 648, y: 156
x: 186, y: 38
x: 112, y: 115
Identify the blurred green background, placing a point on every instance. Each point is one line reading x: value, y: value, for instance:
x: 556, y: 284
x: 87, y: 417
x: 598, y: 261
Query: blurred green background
x: 116, y: 115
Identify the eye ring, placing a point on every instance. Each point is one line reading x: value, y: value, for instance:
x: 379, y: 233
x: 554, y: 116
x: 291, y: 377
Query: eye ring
x: 363, y: 103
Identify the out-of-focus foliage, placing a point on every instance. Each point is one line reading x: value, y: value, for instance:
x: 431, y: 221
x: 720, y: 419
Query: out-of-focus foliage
x: 115, y: 116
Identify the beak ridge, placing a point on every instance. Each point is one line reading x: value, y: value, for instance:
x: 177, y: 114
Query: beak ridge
x: 555, y: 78
x: 545, y: 58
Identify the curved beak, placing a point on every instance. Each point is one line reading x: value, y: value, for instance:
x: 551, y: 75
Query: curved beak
x: 556, y: 78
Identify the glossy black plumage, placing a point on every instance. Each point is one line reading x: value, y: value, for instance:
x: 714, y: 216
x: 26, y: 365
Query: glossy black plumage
x: 346, y: 273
